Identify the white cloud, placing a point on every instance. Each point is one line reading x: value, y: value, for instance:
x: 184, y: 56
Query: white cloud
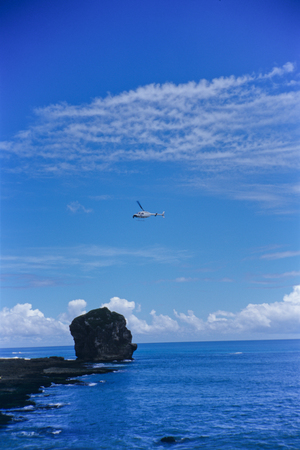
x: 272, y: 318
x: 120, y: 305
x: 234, y: 123
x: 279, y: 71
x: 280, y: 198
x: 282, y: 318
x: 163, y: 323
x: 75, y: 207
x: 26, y: 270
x: 22, y: 325
x: 159, y: 323
x: 185, y: 279
x: 280, y: 255
x: 29, y: 280
x: 241, y: 129
x: 123, y: 306
x: 25, y: 325
x: 75, y: 308
x: 101, y: 197
x: 275, y: 276
x: 293, y: 297
x: 190, y: 319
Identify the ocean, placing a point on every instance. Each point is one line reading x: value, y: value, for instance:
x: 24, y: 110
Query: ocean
x: 205, y: 395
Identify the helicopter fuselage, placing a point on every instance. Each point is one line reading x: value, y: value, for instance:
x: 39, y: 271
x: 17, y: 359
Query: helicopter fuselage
x: 146, y: 214
x: 143, y: 215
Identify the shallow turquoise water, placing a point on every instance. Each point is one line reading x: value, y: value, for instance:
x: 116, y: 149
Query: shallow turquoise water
x: 210, y: 395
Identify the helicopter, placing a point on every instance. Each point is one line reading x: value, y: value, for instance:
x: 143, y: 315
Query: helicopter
x: 145, y: 214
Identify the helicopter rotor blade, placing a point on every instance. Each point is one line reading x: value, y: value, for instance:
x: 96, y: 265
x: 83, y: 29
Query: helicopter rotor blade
x: 140, y: 205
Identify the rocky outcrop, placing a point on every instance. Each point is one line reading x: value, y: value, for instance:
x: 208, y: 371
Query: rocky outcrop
x: 101, y: 335
x: 20, y: 378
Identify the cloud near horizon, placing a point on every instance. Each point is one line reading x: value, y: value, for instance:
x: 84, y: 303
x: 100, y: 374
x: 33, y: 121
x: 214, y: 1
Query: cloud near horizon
x: 75, y: 308
x: 24, y: 324
x: 271, y: 318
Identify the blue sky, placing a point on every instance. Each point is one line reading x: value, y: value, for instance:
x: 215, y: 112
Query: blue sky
x: 192, y: 108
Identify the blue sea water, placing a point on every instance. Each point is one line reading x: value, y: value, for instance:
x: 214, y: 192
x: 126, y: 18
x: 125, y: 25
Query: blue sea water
x: 207, y: 395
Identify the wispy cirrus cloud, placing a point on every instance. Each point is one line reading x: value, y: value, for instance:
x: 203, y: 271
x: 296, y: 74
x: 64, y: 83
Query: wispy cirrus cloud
x: 281, y: 198
x: 280, y: 255
x: 102, y: 197
x: 275, y: 276
x: 207, y: 279
x: 274, y: 280
x: 28, y: 270
x: 185, y: 279
x: 76, y: 207
x: 288, y: 67
x: 230, y: 123
x: 18, y: 279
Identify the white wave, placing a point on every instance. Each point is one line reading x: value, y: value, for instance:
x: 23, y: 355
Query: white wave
x: 57, y: 405
x: 14, y: 357
x: 97, y: 365
x: 11, y: 357
x: 29, y: 433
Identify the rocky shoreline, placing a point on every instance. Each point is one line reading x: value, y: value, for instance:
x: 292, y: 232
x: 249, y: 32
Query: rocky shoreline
x: 100, y: 336
x: 20, y: 378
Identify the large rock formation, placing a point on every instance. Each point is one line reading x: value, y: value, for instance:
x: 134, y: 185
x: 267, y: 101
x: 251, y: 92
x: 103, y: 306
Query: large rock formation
x: 101, y: 335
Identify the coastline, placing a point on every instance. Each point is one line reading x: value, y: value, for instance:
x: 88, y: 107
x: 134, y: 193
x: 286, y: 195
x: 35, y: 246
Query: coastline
x: 20, y: 378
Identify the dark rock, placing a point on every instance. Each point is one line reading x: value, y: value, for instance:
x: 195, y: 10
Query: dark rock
x: 168, y: 440
x: 19, y: 378
x: 5, y: 419
x: 101, y: 335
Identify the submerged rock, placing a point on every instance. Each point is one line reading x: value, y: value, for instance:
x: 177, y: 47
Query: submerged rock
x: 101, y: 335
x: 168, y: 440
